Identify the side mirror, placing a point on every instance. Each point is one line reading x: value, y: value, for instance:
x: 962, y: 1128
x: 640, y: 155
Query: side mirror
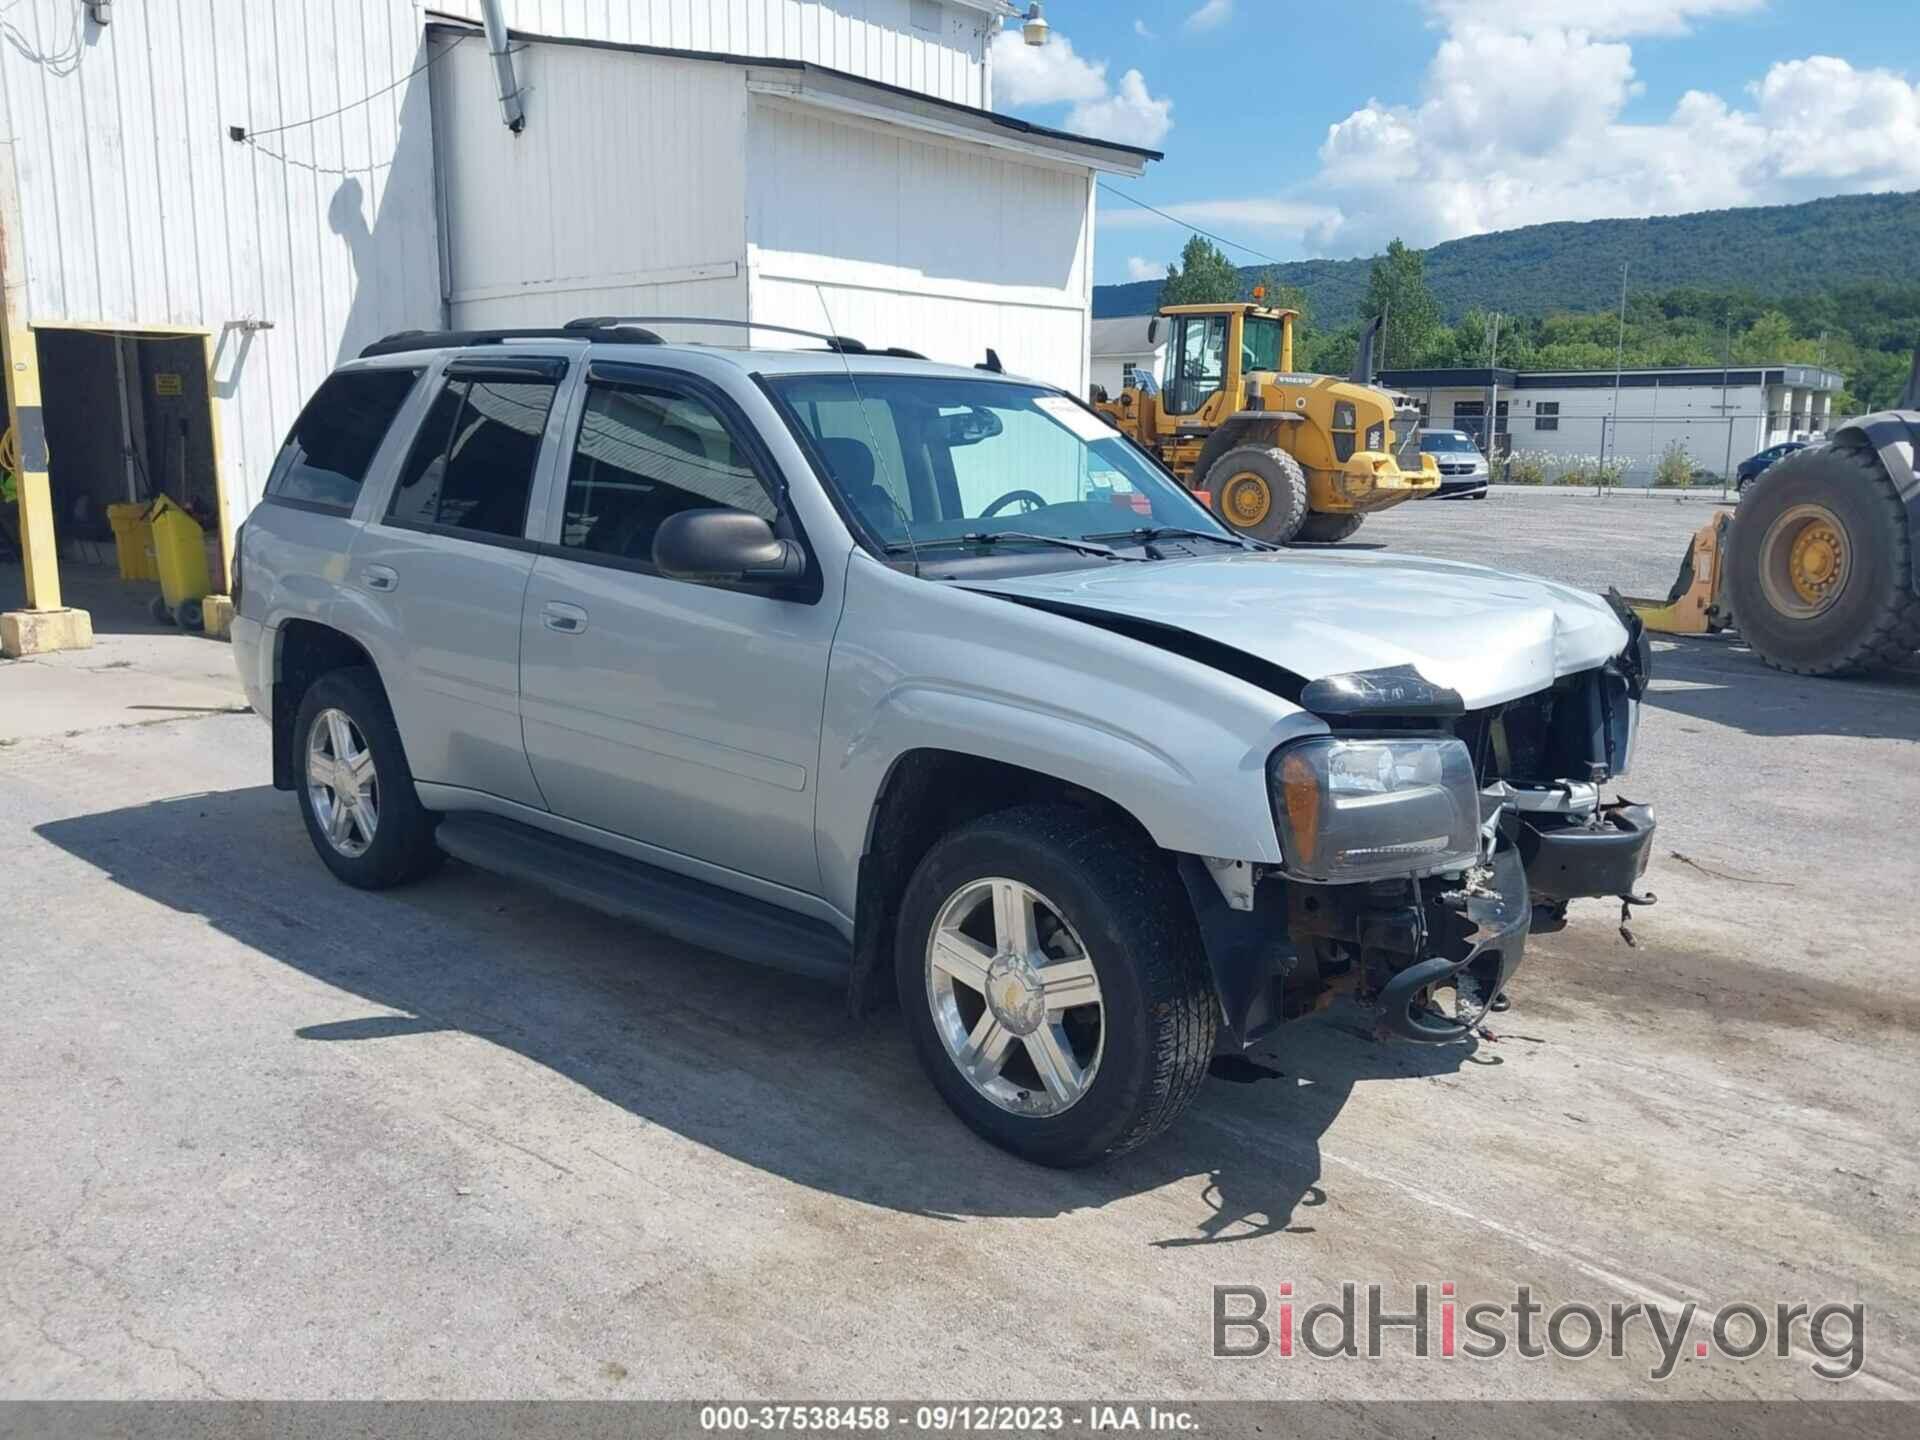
x: 724, y: 544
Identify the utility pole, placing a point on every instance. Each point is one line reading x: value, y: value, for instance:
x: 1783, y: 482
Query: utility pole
x: 1612, y: 438
x: 1493, y: 401
x: 1726, y: 409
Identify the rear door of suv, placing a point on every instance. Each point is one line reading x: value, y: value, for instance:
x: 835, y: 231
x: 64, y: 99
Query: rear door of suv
x: 436, y: 580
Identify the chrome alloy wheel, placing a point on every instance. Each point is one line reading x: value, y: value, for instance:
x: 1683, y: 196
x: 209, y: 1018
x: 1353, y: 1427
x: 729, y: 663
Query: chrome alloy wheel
x: 342, y: 783
x: 1015, y: 997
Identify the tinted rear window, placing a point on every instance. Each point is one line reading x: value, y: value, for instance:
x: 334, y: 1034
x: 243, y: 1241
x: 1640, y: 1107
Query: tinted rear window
x: 472, y: 464
x: 336, y: 437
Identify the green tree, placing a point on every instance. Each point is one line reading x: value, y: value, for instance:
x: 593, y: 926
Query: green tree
x: 1204, y: 276
x: 1397, y: 287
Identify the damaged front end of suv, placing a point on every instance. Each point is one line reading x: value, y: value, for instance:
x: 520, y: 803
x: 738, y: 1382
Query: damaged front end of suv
x: 1424, y: 842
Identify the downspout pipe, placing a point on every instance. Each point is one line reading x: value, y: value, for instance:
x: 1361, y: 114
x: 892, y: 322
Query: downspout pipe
x: 499, y: 47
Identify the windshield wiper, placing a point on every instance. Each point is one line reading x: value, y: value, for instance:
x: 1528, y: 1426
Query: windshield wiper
x: 1147, y: 534
x: 994, y: 537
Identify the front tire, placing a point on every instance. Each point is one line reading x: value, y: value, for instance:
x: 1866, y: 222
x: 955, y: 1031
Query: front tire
x: 1327, y: 529
x: 1821, y: 565
x: 356, y: 790
x: 1260, y: 491
x: 1054, y: 985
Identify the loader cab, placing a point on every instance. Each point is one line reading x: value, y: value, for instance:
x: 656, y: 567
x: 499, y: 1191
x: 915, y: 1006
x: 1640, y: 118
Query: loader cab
x: 1213, y: 348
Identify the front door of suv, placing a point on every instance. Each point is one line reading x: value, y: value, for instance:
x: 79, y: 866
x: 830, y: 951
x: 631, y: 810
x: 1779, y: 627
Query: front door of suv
x: 682, y: 715
x: 439, y: 573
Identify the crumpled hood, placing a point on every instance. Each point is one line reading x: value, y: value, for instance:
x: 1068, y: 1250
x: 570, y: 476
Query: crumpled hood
x: 1489, y: 635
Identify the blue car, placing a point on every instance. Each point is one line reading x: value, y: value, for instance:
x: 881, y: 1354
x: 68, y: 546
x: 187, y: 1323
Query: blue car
x: 1750, y: 469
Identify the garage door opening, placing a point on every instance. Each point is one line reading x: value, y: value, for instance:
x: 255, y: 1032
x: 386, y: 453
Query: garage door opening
x: 128, y: 419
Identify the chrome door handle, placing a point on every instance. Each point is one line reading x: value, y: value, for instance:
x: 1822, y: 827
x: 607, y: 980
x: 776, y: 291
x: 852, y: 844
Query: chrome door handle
x: 563, y: 618
x: 379, y: 577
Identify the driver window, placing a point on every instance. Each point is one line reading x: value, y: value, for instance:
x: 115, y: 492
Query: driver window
x: 1201, y: 363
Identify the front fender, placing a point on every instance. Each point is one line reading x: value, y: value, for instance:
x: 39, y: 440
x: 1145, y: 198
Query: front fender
x: 922, y: 665
x: 1893, y: 435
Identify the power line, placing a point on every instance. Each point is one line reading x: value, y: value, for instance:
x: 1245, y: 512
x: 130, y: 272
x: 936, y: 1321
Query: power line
x: 1220, y: 239
x: 241, y: 132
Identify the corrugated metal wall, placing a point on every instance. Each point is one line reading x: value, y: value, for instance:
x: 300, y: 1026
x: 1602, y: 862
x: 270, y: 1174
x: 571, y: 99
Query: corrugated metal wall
x: 944, y: 248
x: 649, y: 185
x: 623, y: 195
x: 926, y: 45
x: 139, y: 210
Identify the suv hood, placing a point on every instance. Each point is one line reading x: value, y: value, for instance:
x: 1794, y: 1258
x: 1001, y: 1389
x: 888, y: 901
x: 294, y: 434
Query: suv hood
x: 1489, y: 635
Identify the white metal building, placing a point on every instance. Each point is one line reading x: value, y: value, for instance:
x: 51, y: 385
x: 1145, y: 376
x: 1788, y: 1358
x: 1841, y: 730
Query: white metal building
x: 264, y: 186
x: 1712, y: 413
x: 1128, y: 345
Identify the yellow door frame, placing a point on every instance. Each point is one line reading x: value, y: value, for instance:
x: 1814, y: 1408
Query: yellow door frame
x: 24, y: 416
x: 174, y: 332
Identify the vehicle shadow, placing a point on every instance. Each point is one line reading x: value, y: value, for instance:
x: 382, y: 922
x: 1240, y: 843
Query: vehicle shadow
x: 761, y: 1066
x: 1719, y: 680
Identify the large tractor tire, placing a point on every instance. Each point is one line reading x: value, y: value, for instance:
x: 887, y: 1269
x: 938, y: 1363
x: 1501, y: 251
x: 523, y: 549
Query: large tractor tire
x: 1259, y: 490
x: 1327, y: 529
x: 1820, y: 565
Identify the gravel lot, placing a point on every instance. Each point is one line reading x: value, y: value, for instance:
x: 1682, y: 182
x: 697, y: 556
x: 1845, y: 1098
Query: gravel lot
x: 267, y: 1136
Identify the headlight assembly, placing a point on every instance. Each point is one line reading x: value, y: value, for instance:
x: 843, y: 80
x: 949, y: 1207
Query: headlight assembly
x: 1350, y: 810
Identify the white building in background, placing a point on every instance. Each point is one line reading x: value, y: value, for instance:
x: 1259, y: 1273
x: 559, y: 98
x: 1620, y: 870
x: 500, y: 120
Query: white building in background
x: 206, y: 207
x: 1711, y: 412
x: 1129, y: 345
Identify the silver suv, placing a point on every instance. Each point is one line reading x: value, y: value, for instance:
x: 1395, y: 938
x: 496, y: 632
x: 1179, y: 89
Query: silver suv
x: 921, y: 680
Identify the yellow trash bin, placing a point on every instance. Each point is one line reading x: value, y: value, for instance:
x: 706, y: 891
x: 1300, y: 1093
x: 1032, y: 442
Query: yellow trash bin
x: 132, y: 541
x: 180, y: 556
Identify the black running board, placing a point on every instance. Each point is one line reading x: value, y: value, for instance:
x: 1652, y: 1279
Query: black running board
x: 675, y: 905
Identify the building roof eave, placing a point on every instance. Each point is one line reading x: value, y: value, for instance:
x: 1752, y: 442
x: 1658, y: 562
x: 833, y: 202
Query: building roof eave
x: 804, y: 82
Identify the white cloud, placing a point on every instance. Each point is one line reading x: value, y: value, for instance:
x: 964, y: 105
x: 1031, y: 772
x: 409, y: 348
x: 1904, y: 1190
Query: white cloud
x: 1607, y: 19
x: 1140, y: 29
x: 1521, y: 127
x: 1138, y: 269
x: 1047, y: 74
x: 1053, y: 74
x: 1131, y: 115
x: 1211, y: 16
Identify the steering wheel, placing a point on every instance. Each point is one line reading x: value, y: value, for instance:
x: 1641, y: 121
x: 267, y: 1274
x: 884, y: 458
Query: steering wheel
x: 1032, y: 501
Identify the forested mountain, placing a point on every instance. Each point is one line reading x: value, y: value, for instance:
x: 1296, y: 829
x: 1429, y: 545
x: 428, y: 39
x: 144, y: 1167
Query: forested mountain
x: 1776, y: 251
x: 1833, y: 282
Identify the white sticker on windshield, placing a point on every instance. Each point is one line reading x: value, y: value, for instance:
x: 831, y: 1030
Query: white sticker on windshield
x: 1087, y: 426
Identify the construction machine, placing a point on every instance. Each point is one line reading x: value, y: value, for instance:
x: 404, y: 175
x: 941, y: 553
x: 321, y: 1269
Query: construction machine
x: 1819, y: 568
x: 1276, y: 454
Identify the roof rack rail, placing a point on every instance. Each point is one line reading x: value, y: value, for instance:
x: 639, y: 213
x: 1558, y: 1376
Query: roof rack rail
x: 844, y: 344
x: 402, y: 341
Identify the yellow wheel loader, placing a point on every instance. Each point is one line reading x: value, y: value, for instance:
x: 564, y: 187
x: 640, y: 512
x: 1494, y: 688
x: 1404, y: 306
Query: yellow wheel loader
x: 1276, y: 454
x: 1819, y: 568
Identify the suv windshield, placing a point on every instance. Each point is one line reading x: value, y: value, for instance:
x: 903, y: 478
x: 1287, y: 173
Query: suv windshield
x: 1447, y: 442
x: 949, y: 458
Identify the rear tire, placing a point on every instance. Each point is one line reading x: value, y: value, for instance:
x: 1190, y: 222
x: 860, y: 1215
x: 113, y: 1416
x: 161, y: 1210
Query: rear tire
x: 1102, y: 901
x: 1805, y: 604
x: 1322, y: 529
x: 344, y: 741
x: 1259, y: 491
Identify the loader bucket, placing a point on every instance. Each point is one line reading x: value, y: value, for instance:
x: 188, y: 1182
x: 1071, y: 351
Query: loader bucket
x: 1694, y: 605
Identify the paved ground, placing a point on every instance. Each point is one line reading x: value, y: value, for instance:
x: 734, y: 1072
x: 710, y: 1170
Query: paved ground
x: 266, y: 1136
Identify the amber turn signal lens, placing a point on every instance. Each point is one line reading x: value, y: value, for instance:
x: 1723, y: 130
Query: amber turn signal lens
x: 1300, y: 786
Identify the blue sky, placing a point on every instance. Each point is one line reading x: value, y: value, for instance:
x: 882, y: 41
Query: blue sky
x: 1436, y: 118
